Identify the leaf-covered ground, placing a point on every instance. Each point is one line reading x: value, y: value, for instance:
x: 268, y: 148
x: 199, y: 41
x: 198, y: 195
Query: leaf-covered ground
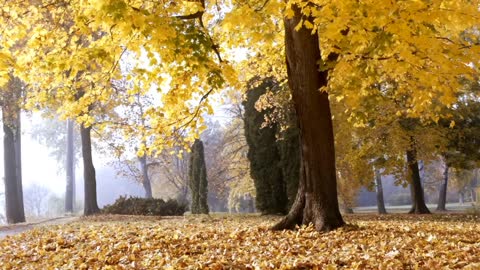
x: 244, y: 242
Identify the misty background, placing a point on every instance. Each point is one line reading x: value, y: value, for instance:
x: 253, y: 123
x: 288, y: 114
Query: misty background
x: 44, y: 179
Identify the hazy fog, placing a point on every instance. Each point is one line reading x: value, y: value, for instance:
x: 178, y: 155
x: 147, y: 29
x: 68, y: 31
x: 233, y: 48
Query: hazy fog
x: 39, y: 168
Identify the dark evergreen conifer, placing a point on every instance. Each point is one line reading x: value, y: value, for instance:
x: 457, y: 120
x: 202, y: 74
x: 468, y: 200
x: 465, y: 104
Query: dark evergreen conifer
x: 198, y: 179
x: 289, y: 148
x: 274, y: 165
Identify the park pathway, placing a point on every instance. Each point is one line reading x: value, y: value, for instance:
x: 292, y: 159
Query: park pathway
x: 22, y: 227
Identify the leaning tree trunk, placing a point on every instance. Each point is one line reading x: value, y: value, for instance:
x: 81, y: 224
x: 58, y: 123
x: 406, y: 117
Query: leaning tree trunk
x: 147, y: 186
x: 418, y: 201
x: 442, y: 197
x: 316, y: 201
x: 13, y: 188
x: 90, y: 182
x: 379, y: 191
x: 70, y: 185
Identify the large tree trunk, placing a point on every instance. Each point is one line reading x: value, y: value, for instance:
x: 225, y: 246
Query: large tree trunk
x: 316, y: 201
x: 147, y: 186
x: 442, y: 196
x: 418, y: 201
x: 12, y: 168
x: 70, y: 185
x: 90, y: 182
x: 379, y: 191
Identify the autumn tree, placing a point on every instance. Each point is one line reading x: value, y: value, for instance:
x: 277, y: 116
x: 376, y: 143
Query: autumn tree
x: 11, y: 95
x: 217, y: 165
x: 170, y: 174
x: 464, y: 181
x: 130, y: 116
x: 36, y: 197
x: 413, y: 172
x: 334, y: 49
x: 140, y: 169
x: 63, y: 140
x: 379, y: 192
x: 62, y: 86
x: 353, y: 158
x: 80, y: 80
x: 234, y: 154
x: 356, y: 68
x: 198, y: 179
x: 70, y: 168
x: 461, y: 152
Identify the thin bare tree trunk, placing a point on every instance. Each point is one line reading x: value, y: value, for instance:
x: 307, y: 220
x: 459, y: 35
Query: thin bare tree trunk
x: 147, y: 186
x: 418, y: 201
x: 379, y: 191
x: 18, y: 161
x: 70, y: 185
x: 442, y: 196
x: 90, y: 182
x: 13, y: 187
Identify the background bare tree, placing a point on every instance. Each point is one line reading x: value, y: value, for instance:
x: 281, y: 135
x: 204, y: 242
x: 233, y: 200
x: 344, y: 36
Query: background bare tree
x: 36, y: 198
x: 170, y: 174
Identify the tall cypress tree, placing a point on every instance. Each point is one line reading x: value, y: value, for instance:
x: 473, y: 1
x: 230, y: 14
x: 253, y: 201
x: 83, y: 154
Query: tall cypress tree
x: 274, y: 165
x: 198, y: 179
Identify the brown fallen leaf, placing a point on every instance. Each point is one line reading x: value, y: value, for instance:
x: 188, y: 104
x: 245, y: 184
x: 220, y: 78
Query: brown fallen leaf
x: 245, y: 242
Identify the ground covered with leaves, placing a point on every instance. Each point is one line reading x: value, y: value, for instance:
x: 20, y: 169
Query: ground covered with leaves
x: 245, y: 242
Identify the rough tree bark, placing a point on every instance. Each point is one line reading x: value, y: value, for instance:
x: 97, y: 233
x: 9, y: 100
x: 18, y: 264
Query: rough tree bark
x: 18, y: 161
x: 13, y: 182
x: 147, y: 186
x: 379, y: 191
x: 90, y: 183
x: 316, y: 200
x: 442, y: 196
x: 70, y: 185
x: 418, y: 201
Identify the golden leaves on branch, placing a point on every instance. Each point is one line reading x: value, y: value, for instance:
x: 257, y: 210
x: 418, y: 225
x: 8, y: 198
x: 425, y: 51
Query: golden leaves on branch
x: 416, y: 50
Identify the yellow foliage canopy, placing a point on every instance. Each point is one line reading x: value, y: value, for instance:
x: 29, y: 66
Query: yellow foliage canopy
x: 69, y: 52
